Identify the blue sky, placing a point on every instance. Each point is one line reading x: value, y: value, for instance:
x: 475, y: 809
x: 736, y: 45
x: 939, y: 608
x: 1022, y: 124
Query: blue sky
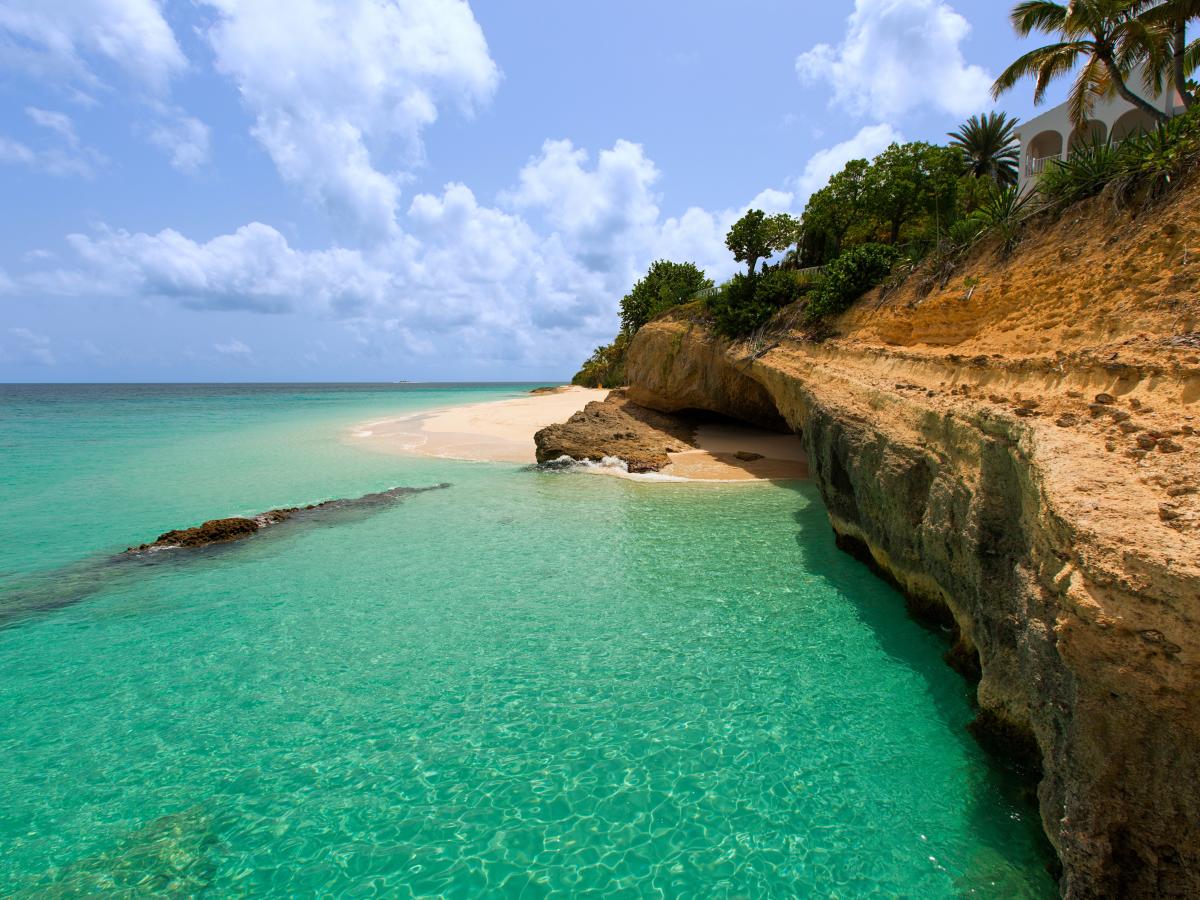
x: 246, y: 190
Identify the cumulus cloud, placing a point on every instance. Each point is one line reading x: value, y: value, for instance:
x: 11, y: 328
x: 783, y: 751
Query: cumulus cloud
x: 899, y: 55
x: 52, y: 38
x: 868, y: 143
x: 344, y: 83
x: 533, y: 279
x: 253, y: 269
x: 185, y: 140
x: 604, y: 213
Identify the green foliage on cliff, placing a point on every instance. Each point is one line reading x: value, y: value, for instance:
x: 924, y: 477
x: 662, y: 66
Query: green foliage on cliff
x: 849, y: 277
x: 758, y: 236
x: 605, y: 368
x: 744, y: 303
x: 667, y: 284
x: 908, y: 194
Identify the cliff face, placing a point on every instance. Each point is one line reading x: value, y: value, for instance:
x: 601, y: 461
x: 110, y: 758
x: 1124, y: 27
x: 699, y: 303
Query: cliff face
x: 1019, y: 453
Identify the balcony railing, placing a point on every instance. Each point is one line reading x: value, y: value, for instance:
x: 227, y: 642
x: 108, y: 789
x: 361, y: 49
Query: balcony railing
x: 1037, y: 165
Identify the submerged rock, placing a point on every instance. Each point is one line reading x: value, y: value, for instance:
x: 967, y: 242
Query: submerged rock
x: 236, y: 528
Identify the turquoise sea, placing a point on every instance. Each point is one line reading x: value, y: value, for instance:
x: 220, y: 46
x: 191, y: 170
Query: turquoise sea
x: 529, y: 683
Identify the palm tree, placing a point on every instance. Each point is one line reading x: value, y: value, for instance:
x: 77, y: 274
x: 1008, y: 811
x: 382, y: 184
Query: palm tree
x: 1105, y: 35
x: 1168, y: 19
x: 989, y: 146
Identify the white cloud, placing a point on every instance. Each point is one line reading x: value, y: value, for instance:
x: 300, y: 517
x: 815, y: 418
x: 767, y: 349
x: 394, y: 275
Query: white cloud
x: 50, y: 39
x: 606, y: 214
x: 334, y: 87
x: 56, y: 161
x: 253, y: 269
x: 900, y: 55
x: 185, y: 140
x: 60, y: 123
x: 234, y: 349
x: 532, y: 281
x: 868, y: 143
x: 27, y: 346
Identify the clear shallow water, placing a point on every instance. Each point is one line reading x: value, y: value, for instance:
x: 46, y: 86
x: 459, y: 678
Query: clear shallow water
x: 525, y: 684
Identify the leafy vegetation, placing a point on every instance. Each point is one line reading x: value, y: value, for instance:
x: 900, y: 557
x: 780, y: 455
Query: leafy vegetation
x: 1103, y: 41
x: 747, y: 302
x: 849, y: 277
x: 758, y: 236
x: 989, y: 147
x: 605, y: 368
x: 667, y: 284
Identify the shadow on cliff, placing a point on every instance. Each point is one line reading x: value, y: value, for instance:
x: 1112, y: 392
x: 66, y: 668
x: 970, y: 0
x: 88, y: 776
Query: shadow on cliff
x: 921, y: 648
x: 50, y: 591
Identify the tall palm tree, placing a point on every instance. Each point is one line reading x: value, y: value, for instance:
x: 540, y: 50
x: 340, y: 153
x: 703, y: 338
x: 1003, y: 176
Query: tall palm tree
x: 989, y: 146
x: 1168, y: 19
x: 1105, y: 35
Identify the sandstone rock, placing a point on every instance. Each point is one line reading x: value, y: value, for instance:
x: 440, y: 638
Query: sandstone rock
x: 970, y: 514
x: 1146, y: 442
x: 747, y: 456
x: 1166, y: 445
x: 1105, y: 399
x: 615, y: 427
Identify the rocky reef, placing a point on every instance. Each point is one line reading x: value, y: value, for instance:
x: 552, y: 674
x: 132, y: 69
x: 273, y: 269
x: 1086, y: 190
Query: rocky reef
x: 236, y: 528
x: 1022, y: 459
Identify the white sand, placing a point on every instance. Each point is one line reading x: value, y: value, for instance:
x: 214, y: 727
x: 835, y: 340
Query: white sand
x: 499, y: 431
x: 503, y: 430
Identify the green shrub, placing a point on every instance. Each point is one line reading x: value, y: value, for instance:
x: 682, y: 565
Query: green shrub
x: 1158, y: 157
x: 849, y: 277
x: 1084, y: 174
x: 667, y: 284
x: 744, y: 303
x: 1004, y: 214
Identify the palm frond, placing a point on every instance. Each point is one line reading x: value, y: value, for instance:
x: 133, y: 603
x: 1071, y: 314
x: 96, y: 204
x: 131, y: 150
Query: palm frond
x: 1035, y: 61
x: 1092, y: 82
x: 1038, y: 15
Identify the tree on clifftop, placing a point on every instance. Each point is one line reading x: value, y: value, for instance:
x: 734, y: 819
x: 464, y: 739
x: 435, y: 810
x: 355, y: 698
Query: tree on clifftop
x: 758, y: 236
x: 907, y: 182
x: 1101, y: 40
x: 667, y: 284
x: 989, y: 147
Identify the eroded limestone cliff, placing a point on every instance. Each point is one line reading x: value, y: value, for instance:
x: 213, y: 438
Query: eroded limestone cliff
x: 1018, y: 451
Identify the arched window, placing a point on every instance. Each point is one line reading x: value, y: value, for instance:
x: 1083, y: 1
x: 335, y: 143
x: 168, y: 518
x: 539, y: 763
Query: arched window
x: 1093, y: 132
x: 1132, y: 124
x: 1046, y: 146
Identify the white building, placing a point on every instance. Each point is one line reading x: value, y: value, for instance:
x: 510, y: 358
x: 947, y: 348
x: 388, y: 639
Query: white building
x: 1053, y: 136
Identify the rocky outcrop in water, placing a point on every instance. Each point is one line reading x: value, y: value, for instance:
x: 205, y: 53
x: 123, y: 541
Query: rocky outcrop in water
x: 78, y: 581
x: 1023, y: 461
x: 236, y: 528
x: 616, y: 427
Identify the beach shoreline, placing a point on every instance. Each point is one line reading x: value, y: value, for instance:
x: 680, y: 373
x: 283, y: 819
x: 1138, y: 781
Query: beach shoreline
x: 503, y: 431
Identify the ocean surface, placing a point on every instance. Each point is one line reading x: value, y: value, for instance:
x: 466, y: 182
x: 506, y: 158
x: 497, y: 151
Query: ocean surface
x: 527, y: 683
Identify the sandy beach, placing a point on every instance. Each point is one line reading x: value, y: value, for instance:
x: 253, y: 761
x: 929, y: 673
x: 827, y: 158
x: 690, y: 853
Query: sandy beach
x: 503, y: 430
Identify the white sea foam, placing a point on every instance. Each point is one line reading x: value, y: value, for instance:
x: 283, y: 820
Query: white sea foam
x: 609, y: 465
